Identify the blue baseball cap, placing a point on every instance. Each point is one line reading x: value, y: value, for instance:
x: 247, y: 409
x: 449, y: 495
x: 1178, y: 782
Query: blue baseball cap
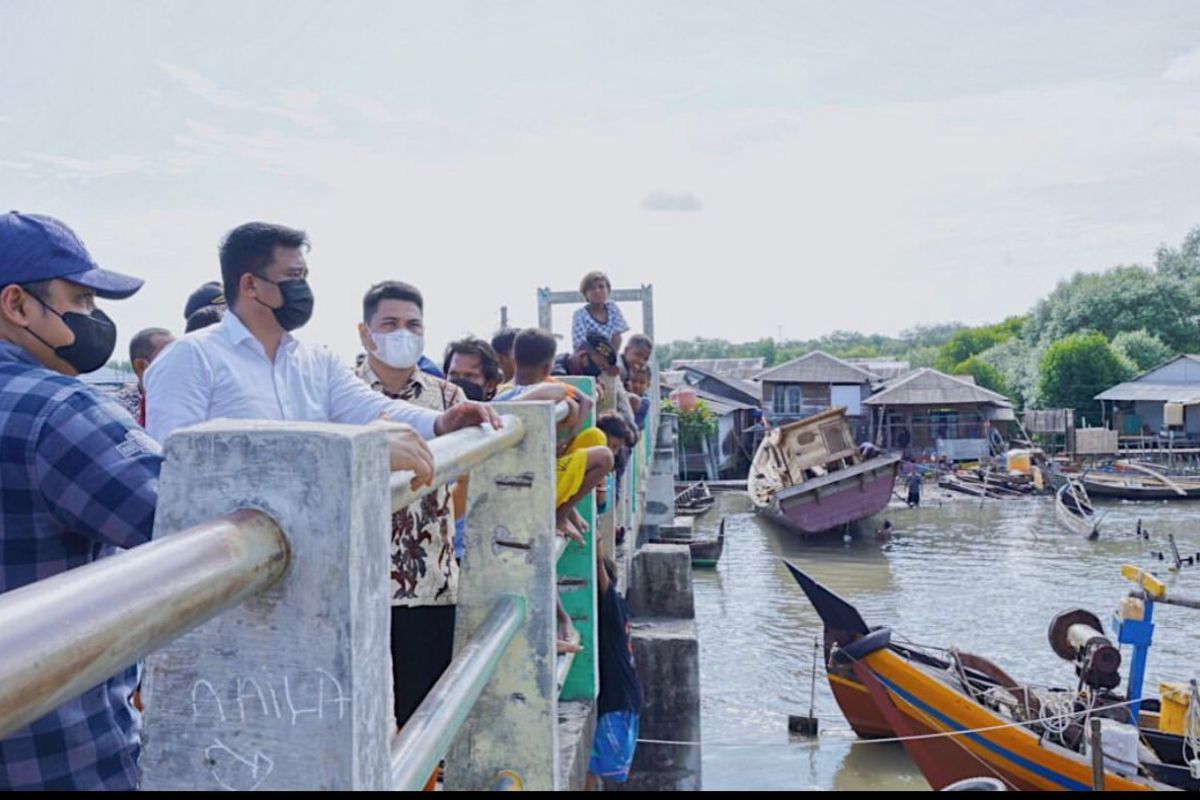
x: 34, y: 247
x: 210, y: 294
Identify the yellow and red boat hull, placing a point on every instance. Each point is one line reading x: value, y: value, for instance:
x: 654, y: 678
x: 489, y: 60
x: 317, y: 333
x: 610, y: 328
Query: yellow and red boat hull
x: 917, y: 703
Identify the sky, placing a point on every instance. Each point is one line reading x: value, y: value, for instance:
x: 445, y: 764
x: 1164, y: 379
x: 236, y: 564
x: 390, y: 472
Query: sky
x: 772, y: 168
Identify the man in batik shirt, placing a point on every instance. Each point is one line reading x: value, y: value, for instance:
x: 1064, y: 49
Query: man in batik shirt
x: 424, y: 570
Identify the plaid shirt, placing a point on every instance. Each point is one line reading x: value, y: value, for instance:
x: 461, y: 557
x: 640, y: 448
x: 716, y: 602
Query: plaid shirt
x: 78, y: 481
x: 583, y: 323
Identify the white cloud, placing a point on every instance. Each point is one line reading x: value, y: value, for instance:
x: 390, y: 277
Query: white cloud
x: 368, y: 107
x: 1184, y: 67
x: 92, y: 168
x: 297, y: 103
x: 666, y: 201
x: 299, y: 98
x: 202, y: 87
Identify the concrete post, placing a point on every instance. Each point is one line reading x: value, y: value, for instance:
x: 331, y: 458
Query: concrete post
x: 292, y: 689
x: 511, y: 549
x: 666, y: 649
x: 648, y: 310
x: 660, y: 484
x: 661, y: 584
x: 545, y: 317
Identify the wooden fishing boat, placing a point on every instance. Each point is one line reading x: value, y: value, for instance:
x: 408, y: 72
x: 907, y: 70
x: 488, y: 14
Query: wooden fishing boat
x: 694, y: 500
x: 1074, y: 510
x: 960, y: 716
x: 708, y: 553
x: 704, y: 552
x: 1138, y: 485
x: 810, y: 476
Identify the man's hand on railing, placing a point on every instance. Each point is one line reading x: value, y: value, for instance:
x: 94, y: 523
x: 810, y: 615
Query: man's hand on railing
x: 466, y: 415
x: 407, y: 450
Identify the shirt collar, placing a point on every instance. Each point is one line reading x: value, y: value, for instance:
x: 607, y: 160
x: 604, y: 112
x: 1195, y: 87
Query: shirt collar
x: 237, y: 333
x: 417, y: 383
x: 10, y: 352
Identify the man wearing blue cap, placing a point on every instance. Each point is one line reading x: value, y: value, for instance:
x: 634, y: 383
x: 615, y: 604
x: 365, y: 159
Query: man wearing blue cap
x: 80, y: 481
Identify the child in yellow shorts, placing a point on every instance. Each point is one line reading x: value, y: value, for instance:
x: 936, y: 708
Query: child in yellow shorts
x: 584, y: 458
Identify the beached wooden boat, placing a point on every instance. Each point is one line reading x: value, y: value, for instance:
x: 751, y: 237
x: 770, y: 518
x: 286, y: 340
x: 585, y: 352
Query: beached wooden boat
x: 1074, y: 510
x: 1142, y: 484
x: 810, y: 476
x: 961, y: 717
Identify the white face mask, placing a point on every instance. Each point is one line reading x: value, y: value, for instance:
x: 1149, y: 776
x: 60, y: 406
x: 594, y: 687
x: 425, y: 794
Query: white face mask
x: 400, y: 349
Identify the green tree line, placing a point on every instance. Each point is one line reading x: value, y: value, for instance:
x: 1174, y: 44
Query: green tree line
x: 1092, y: 331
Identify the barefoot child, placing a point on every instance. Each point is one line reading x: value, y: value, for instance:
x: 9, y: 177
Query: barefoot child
x: 583, y: 454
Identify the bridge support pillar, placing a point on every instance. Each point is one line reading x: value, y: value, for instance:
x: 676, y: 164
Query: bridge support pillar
x: 293, y: 689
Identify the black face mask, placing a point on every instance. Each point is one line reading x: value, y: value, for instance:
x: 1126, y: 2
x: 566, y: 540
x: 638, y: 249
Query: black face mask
x: 473, y: 391
x: 95, y: 339
x: 297, y: 305
x: 590, y: 369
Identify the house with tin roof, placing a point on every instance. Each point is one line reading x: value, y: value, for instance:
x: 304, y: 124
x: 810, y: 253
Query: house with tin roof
x: 1164, y: 401
x: 813, y: 383
x: 931, y: 413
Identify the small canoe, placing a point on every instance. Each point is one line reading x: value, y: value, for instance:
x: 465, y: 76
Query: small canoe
x: 1074, y: 510
x: 694, y: 500
x: 708, y: 553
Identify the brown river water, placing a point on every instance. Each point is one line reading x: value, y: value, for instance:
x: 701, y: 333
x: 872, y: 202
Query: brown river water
x: 983, y: 576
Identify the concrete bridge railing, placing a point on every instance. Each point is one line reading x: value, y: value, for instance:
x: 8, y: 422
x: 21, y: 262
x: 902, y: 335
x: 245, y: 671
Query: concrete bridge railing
x: 262, y: 610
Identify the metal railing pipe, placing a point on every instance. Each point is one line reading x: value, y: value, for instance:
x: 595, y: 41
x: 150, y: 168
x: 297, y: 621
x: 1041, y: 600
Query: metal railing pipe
x: 63, y: 635
x: 458, y: 453
x: 428, y: 733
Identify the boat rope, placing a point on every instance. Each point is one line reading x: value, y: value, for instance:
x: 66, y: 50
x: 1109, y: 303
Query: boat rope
x: 1191, y: 732
x: 888, y: 740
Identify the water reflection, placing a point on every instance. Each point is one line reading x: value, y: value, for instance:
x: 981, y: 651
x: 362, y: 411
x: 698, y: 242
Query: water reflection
x: 984, y: 576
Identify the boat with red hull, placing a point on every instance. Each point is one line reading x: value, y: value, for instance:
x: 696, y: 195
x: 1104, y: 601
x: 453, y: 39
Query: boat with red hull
x: 810, y: 476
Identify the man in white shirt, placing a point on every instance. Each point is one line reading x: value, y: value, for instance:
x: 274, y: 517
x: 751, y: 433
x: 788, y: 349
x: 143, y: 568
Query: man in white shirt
x: 249, y: 366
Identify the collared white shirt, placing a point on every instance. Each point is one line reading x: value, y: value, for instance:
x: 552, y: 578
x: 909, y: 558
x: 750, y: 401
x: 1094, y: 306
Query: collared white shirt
x: 223, y: 372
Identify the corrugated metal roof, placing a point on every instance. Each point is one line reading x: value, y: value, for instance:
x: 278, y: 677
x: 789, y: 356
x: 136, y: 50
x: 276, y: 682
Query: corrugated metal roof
x: 884, y: 368
x: 671, y: 378
x: 1153, y: 370
x: 929, y: 387
x: 740, y: 368
x: 1186, y: 393
x: 753, y: 390
x: 817, y: 367
x: 722, y: 405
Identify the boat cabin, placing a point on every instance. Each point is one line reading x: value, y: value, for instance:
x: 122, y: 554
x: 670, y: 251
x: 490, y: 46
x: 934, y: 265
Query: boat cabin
x: 803, y: 450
